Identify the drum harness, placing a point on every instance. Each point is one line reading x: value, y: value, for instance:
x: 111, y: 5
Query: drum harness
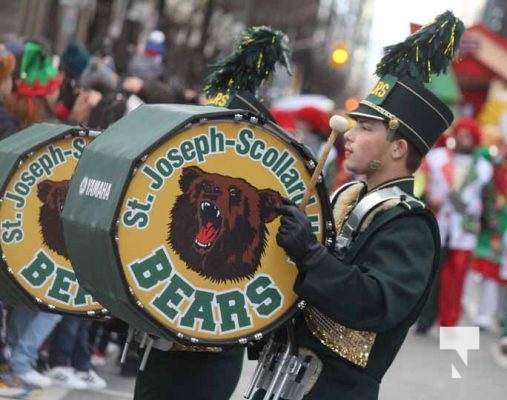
x: 285, y: 371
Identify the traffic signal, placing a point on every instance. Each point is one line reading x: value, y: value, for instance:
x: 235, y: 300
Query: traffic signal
x: 339, y: 55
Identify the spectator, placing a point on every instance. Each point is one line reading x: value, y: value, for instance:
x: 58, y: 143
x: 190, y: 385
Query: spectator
x: 8, y: 123
x: 34, y: 101
x: 458, y: 186
x: 69, y: 355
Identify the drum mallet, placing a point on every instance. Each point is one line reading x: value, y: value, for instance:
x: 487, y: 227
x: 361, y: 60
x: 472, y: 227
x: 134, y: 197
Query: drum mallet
x: 338, y: 125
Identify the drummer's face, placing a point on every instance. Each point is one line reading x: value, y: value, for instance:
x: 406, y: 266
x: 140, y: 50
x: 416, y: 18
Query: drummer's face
x: 364, y: 143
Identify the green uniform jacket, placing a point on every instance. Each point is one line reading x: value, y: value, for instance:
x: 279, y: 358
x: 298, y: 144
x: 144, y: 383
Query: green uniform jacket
x: 378, y: 285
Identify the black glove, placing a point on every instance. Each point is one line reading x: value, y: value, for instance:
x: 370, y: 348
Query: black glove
x: 295, y: 236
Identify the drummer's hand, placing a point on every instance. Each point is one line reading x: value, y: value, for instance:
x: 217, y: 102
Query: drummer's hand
x: 295, y: 236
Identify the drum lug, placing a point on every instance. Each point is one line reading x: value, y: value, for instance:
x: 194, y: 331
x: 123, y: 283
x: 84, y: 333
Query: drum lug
x: 93, y: 133
x: 302, y: 305
x: 146, y: 353
x: 128, y: 340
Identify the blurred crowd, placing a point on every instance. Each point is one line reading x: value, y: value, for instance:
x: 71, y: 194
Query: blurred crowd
x: 40, y: 349
x: 463, y: 180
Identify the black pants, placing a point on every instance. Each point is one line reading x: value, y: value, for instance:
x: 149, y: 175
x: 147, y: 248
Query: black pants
x: 184, y: 375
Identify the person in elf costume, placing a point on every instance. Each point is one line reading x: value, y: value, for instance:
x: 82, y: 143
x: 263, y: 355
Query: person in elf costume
x: 37, y: 89
x: 365, y: 292
x: 203, y: 373
x: 459, y: 191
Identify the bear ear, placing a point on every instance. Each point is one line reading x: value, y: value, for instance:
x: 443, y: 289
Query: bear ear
x: 188, y: 175
x: 268, y: 199
x: 43, y: 189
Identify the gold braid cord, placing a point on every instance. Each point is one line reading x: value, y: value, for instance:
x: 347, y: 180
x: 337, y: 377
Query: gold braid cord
x: 205, y: 349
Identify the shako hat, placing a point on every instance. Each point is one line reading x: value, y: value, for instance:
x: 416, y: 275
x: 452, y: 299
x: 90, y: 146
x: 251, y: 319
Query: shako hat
x: 400, y: 96
x: 234, y: 82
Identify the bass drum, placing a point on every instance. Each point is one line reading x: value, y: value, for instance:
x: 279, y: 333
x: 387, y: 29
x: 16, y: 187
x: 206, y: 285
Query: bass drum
x: 36, y: 165
x: 171, y: 221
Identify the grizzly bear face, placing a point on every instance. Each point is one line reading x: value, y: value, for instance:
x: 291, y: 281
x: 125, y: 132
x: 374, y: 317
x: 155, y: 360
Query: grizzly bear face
x: 52, y: 195
x: 218, y: 224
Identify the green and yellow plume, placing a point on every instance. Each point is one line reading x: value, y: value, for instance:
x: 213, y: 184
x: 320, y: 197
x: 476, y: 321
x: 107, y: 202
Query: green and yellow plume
x: 257, y: 52
x: 425, y: 52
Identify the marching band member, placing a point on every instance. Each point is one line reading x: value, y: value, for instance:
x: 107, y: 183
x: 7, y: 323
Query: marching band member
x: 363, y: 296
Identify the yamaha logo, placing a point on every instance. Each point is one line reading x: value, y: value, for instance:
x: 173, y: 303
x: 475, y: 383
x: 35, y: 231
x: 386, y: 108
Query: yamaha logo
x: 94, y: 188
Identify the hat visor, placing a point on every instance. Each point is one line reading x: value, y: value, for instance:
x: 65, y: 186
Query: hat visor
x: 366, y: 112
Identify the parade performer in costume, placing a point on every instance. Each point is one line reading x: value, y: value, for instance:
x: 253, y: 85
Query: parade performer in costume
x: 459, y: 192
x: 203, y: 373
x: 363, y: 295
x: 487, y: 257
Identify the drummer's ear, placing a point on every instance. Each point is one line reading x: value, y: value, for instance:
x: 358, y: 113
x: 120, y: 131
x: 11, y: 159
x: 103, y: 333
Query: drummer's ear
x: 268, y: 200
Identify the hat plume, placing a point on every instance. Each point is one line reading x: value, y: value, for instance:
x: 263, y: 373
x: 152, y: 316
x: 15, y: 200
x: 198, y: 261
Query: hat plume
x: 425, y: 52
x: 257, y: 52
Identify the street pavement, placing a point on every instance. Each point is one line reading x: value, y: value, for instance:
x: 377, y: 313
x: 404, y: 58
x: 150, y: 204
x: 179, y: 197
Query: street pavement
x: 420, y: 372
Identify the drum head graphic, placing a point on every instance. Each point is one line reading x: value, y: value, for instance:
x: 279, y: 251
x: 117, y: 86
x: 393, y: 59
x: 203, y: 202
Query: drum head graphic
x: 196, y: 230
x: 32, y: 242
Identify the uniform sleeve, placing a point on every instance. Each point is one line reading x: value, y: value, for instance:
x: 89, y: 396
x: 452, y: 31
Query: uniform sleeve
x: 384, y: 287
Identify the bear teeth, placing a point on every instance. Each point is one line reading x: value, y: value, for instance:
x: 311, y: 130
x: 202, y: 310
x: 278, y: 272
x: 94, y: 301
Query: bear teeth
x: 203, y: 245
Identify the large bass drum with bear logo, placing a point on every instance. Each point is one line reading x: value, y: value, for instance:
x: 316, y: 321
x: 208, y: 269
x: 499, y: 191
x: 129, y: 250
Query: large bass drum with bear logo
x: 36, y: 165
x: 171, y: 224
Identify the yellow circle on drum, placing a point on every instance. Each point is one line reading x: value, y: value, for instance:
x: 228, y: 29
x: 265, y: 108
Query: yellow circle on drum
x: 32, y: 244
x: 197, y: 230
